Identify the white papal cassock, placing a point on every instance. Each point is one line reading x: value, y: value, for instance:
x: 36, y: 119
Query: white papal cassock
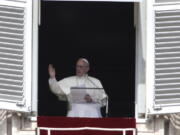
x: 62, y: 90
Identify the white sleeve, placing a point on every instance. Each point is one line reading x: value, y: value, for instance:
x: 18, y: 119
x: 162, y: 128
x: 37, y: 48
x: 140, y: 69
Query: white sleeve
x: 56, y: 89
x: 100, y: 95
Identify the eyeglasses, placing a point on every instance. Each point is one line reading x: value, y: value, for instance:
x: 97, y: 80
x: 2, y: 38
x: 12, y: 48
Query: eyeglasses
x: 80, y: 66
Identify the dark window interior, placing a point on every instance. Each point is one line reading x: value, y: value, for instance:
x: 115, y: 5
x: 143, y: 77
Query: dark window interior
x: 102, y: 32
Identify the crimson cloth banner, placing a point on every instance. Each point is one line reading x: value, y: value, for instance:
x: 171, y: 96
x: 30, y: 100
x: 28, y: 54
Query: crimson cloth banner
x: 66, y: 122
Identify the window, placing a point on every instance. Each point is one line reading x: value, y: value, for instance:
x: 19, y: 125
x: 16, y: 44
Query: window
x: 104, y: 33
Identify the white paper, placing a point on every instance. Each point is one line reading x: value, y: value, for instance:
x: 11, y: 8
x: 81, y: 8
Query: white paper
x: 78, y: 95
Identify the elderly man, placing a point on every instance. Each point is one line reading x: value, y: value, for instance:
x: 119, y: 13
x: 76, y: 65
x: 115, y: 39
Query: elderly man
x: 94, y: 98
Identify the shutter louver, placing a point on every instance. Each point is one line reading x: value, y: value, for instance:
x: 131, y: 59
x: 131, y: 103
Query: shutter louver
x: 11, y: 53
x: 167, y: 58
x: 18, y: 0
x: 164, y: 1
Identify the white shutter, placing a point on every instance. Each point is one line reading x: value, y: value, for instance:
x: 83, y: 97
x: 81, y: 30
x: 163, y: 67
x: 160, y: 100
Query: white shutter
x: 163, y: 61
x: 18, y: 0
x: 15, y: 54
x: 166, y: 1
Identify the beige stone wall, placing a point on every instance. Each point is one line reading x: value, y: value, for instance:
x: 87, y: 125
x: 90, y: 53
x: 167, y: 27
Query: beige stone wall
x: 154, y: 126
x: 18, y: 125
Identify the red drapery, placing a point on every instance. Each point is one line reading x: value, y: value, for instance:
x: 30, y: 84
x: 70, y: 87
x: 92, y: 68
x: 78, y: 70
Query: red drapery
x: 65, y: 122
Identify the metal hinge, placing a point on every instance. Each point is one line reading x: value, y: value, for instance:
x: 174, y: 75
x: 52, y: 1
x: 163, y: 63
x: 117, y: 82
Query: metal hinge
x: 21, y: 104
x: 157, y: 108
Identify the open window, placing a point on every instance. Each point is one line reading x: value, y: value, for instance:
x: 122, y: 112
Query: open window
x: 102, y: 32
x: 163, y: 57
x: 18, y: 54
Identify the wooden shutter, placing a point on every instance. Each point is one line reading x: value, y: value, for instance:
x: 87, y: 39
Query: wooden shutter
x: 166, y: 1
x: 15, y: 54
x: 164, y: 94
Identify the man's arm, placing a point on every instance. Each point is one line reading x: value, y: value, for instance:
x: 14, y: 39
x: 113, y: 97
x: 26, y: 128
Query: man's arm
x: 100, y: 95
x: 54, y: 86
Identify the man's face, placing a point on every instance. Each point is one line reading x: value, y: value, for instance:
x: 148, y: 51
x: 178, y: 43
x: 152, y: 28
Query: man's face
x: 81, y: 68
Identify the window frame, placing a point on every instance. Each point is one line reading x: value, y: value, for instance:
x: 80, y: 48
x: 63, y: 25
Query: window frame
x: 100, y: 0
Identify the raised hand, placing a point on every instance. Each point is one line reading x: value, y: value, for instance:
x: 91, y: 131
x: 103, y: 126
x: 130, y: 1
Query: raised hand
x: 52, y: 72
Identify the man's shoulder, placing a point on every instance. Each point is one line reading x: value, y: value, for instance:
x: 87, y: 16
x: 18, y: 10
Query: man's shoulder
x: 69, y: 78
x: 93, y: 78
x: 96, y: 82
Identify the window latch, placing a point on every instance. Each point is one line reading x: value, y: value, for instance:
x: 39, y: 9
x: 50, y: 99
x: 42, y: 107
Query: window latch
x: 157, y: 108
